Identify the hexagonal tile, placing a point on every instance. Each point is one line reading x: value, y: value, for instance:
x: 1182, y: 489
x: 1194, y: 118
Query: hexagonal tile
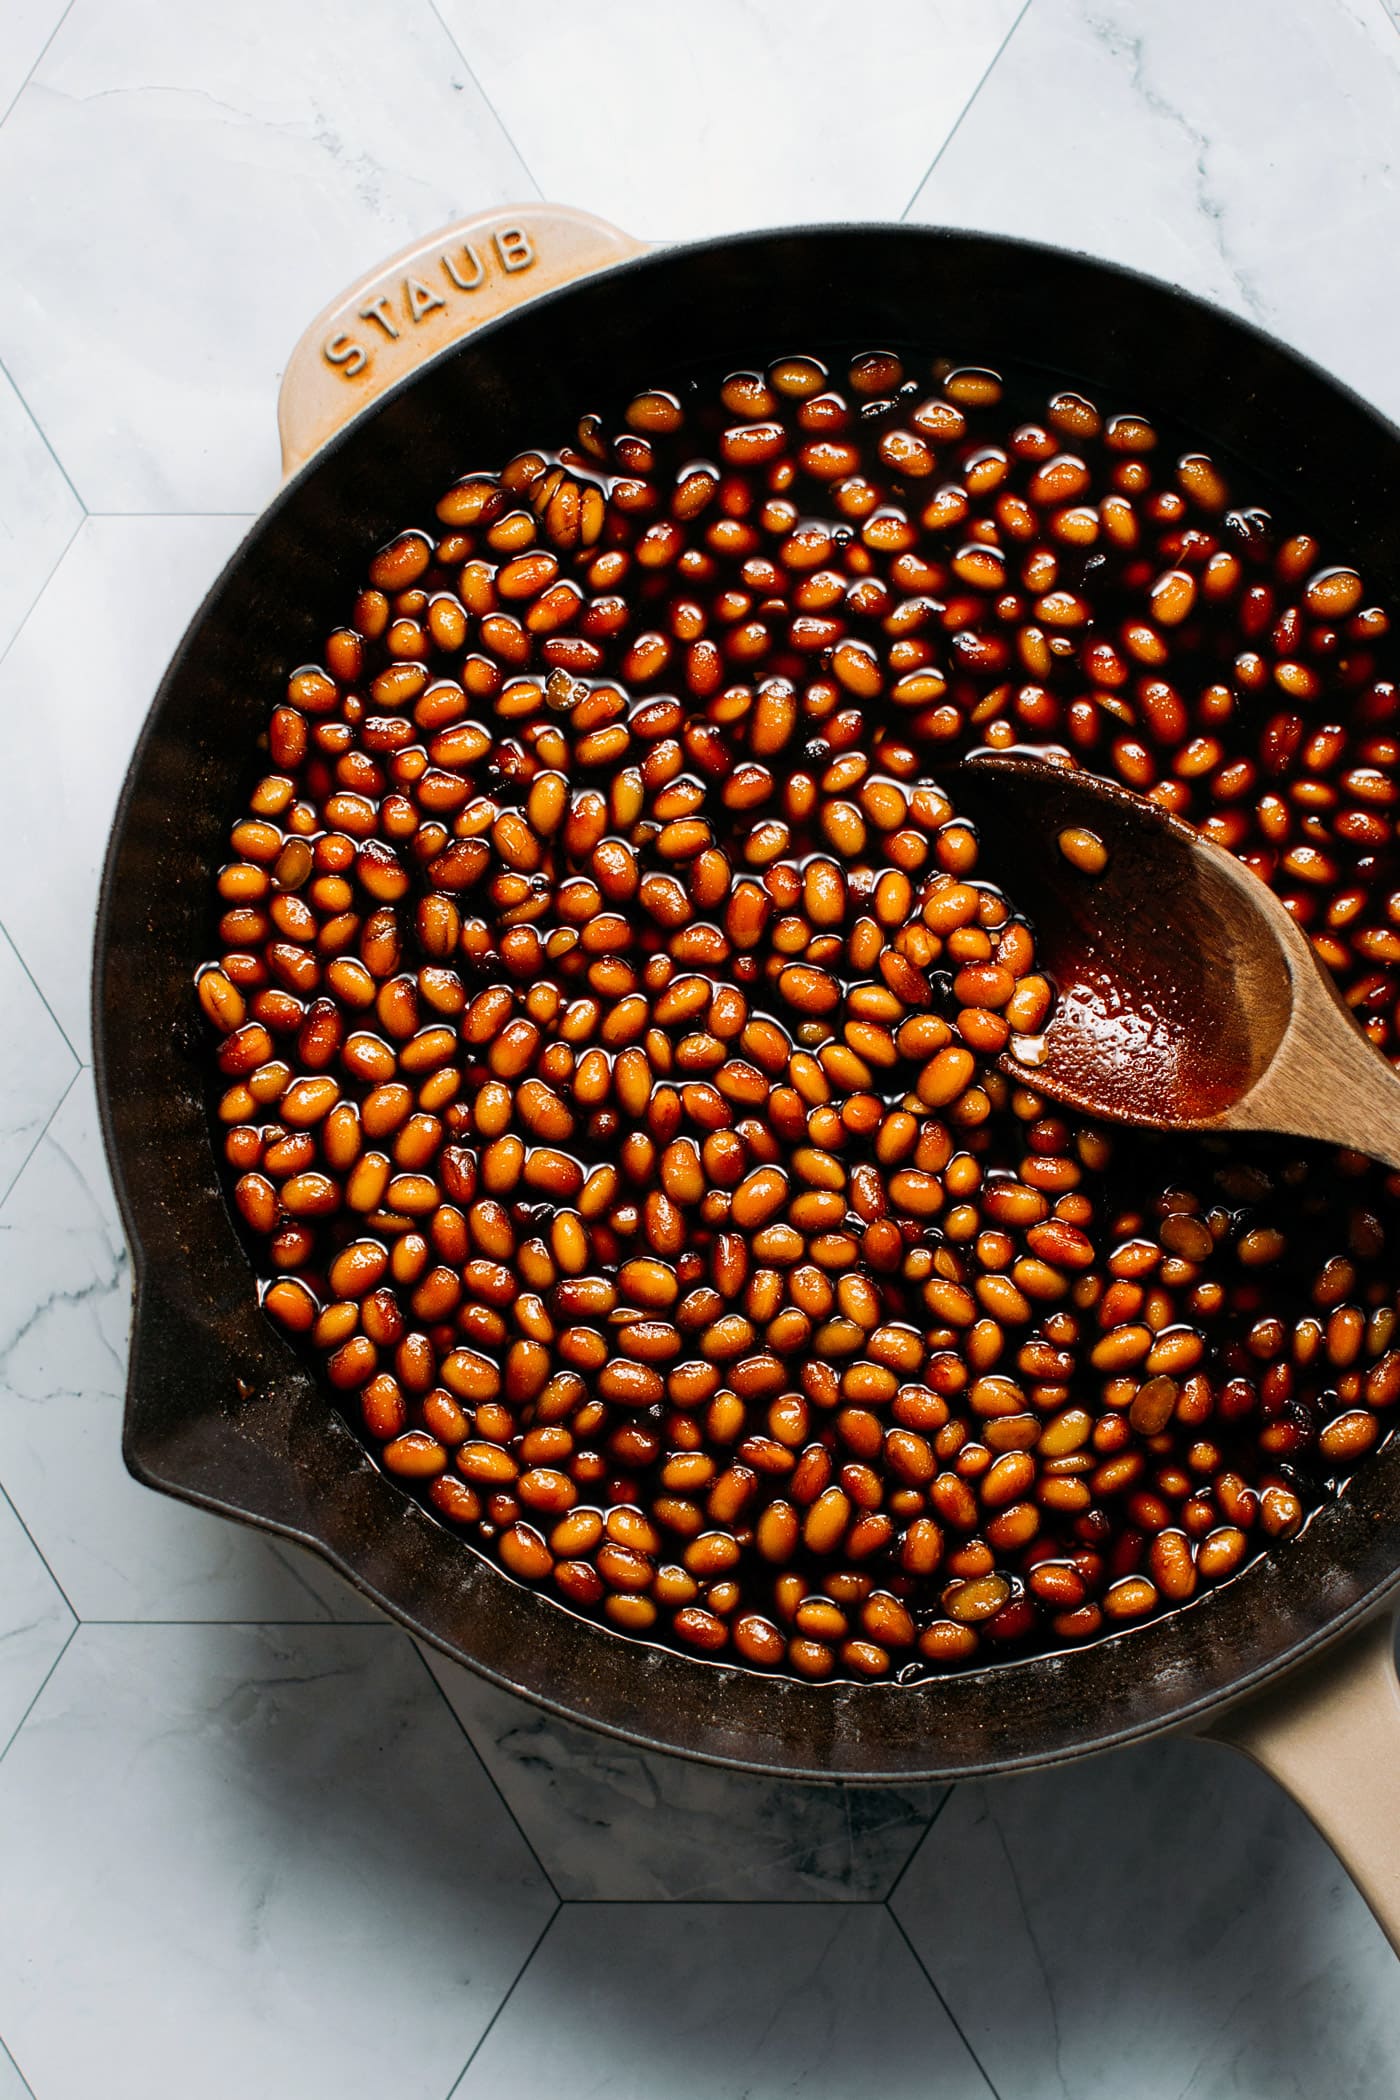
x: 120, y: 1551
x: 133, y: 582
x: 752, y: 98
x: 38, y: 511
x: 237, y: 196
x: 1196, y: 166
x: 34, y: 1624
x: 36, y: 1066
x: 610, y: 1821
x: 241, y: 1860
x: 720, y: 2002
x: 1162, y: 1922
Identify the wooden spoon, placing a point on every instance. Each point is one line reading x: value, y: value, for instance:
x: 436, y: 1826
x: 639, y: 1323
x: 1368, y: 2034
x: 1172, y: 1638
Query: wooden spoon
x: 1187, y: 998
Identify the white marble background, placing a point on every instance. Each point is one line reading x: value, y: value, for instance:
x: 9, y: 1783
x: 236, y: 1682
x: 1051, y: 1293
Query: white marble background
x: 251, y: 1841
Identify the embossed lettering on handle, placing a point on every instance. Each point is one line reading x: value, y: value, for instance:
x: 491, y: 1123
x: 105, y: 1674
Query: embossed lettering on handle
x: 426, y: 298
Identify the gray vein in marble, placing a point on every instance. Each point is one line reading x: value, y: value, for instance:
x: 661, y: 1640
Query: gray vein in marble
x: 99, y: 1289
x: 365, y: 172
x: 1120, y: 44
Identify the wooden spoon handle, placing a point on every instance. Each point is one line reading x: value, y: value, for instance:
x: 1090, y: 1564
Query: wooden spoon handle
x: 1326, y: 1080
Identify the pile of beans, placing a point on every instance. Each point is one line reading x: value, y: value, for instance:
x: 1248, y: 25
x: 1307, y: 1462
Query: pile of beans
x: 611, y: 1010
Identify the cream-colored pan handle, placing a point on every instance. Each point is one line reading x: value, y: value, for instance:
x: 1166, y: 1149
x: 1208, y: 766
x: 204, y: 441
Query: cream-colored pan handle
x: 1329, y: 1733
x: 430, y: 295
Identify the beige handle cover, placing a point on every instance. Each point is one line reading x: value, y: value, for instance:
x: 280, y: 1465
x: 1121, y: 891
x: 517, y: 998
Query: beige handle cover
x: 430, y: 295
x: 1329, y: 1733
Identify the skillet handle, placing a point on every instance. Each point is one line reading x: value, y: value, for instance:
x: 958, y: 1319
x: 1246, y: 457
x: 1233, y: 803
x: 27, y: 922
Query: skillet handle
x: 1329, y: 1733
x: 423, y: 299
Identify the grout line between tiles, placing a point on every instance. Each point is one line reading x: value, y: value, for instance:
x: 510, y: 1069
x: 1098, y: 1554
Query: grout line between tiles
x: 38, y: 61
x: 13, y: 1736
x: 74, y: 1077
x: 490, y: 1775
x: 957, y: 125
x: 890, y: 1891
x: 956, y: 2023
x: 5, y: 2052
x: 196, y: 511
x: 546, y: 1928
x: 5, y: 1498
x: 81, y: 1062
x: 62, y: 555
x: 274, y: 1625
x: 662, y: 1902
x: 475, y: 79
x: 43, y: 435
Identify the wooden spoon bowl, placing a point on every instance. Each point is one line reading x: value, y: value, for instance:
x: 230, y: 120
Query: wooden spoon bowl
x: 1187, y: 996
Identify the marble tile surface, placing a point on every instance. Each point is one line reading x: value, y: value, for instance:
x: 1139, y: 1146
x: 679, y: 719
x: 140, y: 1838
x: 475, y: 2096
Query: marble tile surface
x: 254, y: 160
x: 323, y: 1887
x: 133, y: 583
x: 712, y: 2002
x: 245, y: 1845
x: 1247, y: 152
x: 681, y: 122
x: 39, y: 512
x: 1164, y: 1923
x: 613, y: 1822
x: 119, y: 1551
x: 34, y: 1624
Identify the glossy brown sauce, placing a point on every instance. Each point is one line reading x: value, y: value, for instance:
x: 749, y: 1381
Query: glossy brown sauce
x: 1143, y: 1052
x: 1171, y: 992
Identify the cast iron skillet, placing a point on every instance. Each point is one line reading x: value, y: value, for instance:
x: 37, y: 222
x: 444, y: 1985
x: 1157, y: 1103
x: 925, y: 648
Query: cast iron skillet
x: 220, y: 1413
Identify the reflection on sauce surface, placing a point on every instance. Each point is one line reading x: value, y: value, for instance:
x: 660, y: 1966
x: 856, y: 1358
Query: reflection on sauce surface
x: 1142, y: 1051
x: 1148, y: 945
